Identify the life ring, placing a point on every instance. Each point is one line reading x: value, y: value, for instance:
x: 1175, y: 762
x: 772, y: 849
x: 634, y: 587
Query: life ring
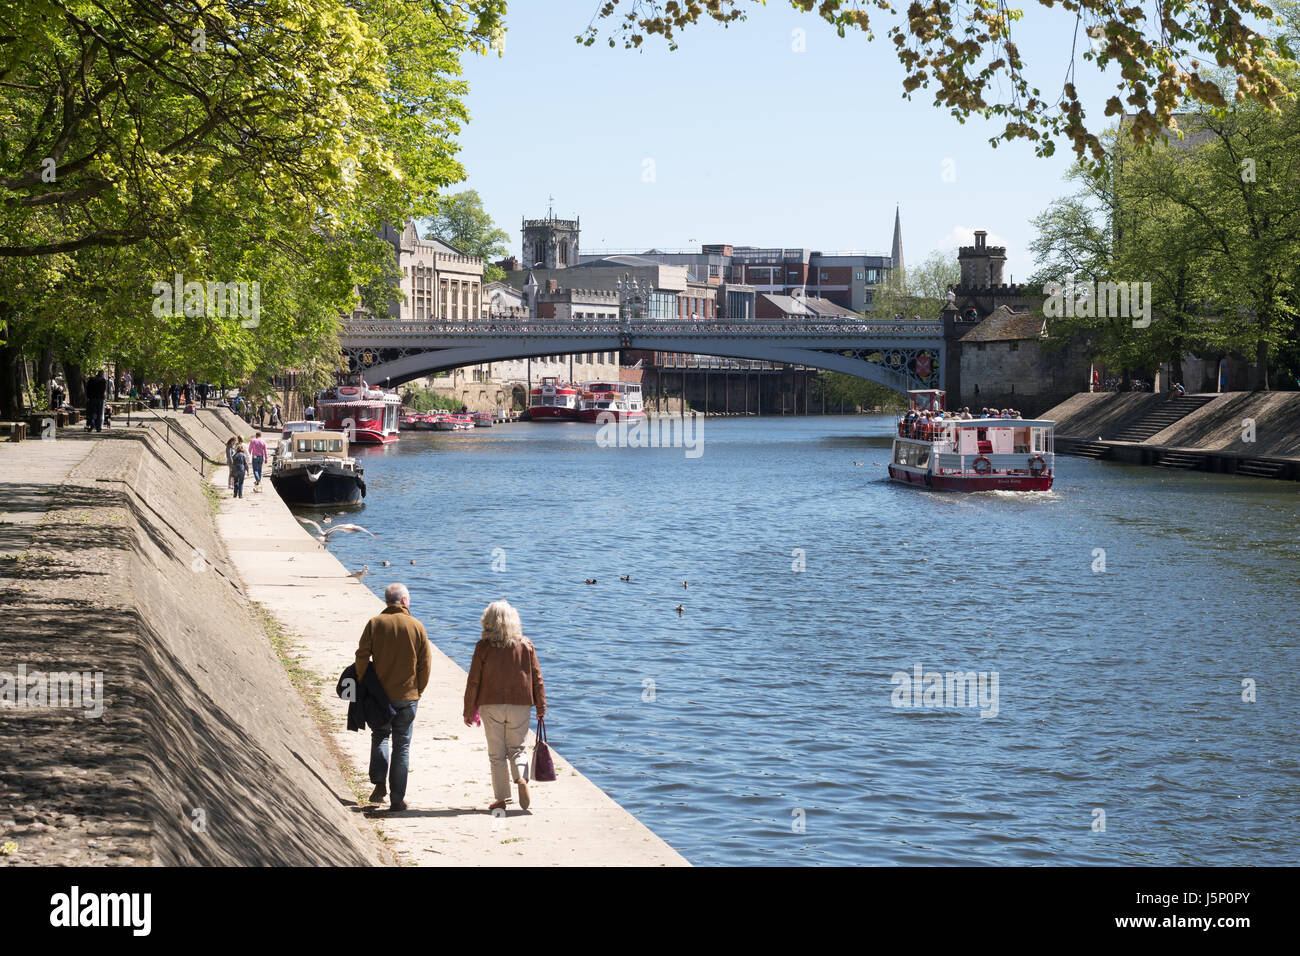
x: 1037, y: 465
x: 982, y: 465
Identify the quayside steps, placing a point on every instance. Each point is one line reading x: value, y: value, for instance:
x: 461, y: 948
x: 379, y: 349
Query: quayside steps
x: 1083, y: 449
x: 1181, y: 460
x: 1162, y: 417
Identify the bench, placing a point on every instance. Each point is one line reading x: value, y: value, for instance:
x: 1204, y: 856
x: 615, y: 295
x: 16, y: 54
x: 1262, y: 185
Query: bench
x: 17, y: 431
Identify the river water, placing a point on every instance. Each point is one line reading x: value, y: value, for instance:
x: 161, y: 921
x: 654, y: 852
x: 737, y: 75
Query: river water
x: 1124, y: 615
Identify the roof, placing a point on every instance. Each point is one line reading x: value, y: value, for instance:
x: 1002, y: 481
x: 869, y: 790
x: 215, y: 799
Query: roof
x: 620, y: 261
x: 789, y: 304
x: 827, y: 307
x: 1004, y: 325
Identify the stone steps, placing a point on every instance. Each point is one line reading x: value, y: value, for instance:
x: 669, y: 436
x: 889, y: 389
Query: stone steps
x: 1180, y: 460
x: 1083, y: 449
x: 1164, y: 416
x: 1259, y: 468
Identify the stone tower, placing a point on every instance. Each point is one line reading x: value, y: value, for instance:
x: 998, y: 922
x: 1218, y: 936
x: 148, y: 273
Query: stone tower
x: 981, y: 264
x: 550, y: 243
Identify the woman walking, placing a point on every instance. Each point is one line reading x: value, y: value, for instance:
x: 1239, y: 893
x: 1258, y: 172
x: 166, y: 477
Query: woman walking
x: 230, y: 462
x: 505, y: 683
x: 239, y: 465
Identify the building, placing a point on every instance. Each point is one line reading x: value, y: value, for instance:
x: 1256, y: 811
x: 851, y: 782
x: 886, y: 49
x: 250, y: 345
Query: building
x: 982, y: 288
x: 550, y: 243
x: 438, y: 280
x: 802, y: 308
x: 1004, y: 364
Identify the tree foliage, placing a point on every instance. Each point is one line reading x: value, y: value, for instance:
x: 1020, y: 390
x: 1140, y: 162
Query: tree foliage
x: 922, y: 290
x: 1212, y: 223
x: 462, y: 221
x: 224, y: 141
x: 965, y: 52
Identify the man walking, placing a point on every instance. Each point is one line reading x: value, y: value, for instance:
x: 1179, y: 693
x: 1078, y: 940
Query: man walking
x: 96, y: 393
x: 399, y: 648
x: 257, y: 450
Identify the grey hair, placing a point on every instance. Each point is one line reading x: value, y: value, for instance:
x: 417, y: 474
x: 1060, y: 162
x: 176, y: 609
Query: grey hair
x: 501, y: 625
x: 396, y: 594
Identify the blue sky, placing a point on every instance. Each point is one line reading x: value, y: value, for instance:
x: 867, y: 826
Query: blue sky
x: 751, y: 142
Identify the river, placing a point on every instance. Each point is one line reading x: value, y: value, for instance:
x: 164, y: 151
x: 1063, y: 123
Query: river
x: 1141, y: 626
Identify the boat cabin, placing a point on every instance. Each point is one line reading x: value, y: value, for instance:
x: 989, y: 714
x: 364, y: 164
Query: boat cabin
x: 927, y: 399
x: 317, y: 445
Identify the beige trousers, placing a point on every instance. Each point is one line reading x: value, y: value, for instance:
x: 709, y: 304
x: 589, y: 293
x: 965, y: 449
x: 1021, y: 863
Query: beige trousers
x: 506, y: 728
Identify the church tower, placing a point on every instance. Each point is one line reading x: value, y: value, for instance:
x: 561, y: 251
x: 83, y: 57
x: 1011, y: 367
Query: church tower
x: 897, y: 273
x: 550, y: 243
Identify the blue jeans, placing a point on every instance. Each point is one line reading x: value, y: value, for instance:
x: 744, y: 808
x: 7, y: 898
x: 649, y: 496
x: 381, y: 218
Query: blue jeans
x: 257, y: 469
x: 239, y: 484
x: 400, y: 729
x: 95, y: 416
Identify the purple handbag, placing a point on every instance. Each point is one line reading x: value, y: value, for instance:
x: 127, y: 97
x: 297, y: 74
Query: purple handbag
x: 543, y: 765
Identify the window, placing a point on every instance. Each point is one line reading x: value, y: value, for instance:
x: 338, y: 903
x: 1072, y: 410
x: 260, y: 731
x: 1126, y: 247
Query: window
x: 858, y: 275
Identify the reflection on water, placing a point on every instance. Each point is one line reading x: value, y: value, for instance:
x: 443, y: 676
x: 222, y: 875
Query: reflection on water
x: 764, y: 709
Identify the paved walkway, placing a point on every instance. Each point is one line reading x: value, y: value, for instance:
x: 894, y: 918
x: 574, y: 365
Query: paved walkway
x: 571, y: 821
x: 30, y: 473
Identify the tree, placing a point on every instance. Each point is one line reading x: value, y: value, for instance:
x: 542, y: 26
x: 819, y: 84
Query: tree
x: 1212, y: 223
x: 243, y: 140
x: 966, y: 53
x: 923, y: 291
x: 842, y: 389
x: 462, y: 221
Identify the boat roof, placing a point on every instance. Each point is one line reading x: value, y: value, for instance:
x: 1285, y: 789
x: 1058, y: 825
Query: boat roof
x: 317, y: 436
x: 994, y: 422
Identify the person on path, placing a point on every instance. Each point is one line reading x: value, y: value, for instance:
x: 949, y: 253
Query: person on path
x: 176, y: 397
x: 504, y: 685
x: 231, y: 444
x: 203, y: 394
x: 257, y: 450
x: 96, y: 393
x: 398, y: 646
x: 239, y: 465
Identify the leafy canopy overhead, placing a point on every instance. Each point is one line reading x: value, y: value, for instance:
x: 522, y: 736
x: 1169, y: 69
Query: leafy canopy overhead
x: 964, y: 50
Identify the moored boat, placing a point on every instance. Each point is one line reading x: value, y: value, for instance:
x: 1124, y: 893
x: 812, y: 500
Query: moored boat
x: 314, y: 468
x: 935, y: 450
x: 553, y: 401
x: 610, y: 401
x: 370, y: 415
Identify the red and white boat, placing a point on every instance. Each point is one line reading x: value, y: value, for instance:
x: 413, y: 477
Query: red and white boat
x: 553, y: 401
x: 369, y: 416
x: 610, y: 401
x: 972, y: 454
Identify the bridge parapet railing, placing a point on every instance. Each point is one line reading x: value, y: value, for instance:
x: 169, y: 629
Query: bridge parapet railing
x: 674, y: 329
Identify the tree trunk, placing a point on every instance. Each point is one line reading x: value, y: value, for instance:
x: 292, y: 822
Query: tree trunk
x: 11, y: 396
x: 45, y: 372
x: 1261, y: 363
x: 76, y: 385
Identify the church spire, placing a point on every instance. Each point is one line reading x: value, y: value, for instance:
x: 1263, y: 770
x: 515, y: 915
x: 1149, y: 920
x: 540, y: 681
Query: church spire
x: 896, y: 250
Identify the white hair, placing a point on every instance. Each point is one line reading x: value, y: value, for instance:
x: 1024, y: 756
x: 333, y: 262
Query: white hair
x: 501, y: 625
x: 396, y: 594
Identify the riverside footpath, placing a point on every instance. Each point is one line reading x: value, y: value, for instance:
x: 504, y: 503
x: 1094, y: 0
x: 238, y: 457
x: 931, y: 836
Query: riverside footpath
x: 322, y: 609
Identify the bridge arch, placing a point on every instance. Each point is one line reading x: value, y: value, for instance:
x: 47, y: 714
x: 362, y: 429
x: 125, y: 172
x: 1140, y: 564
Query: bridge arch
x: 908, y: 358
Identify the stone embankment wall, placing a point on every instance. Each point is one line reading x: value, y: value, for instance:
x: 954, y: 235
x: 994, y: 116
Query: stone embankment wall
x: 1252, y: 424
x: 205, y: 752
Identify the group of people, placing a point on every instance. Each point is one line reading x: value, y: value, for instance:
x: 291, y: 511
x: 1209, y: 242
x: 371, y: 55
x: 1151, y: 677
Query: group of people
x: 503, y: 686
x: 241, y: 459
x: 919, y: 423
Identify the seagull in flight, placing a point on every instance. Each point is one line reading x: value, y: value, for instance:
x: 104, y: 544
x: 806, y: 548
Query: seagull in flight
x: 322, y: 535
